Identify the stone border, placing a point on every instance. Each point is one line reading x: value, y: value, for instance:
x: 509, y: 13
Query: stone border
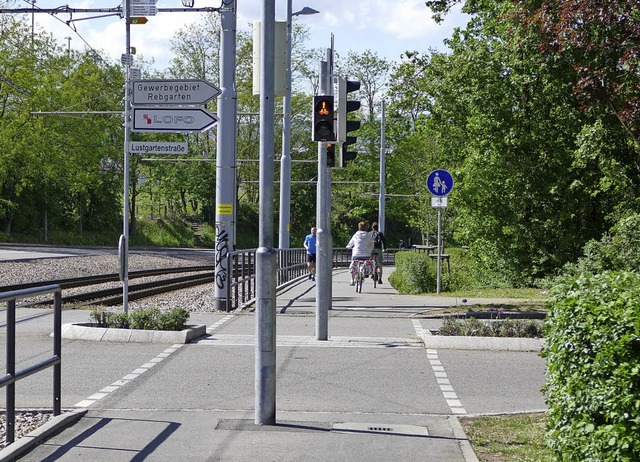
x: 453, y: 342
x: 86, y: 331
x: 40, y: 434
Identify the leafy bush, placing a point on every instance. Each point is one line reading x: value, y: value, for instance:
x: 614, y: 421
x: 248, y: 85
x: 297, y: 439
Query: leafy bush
x: 592, y: 352
x: 414, y: 274
x: 492, y: 328
x: 149, y: 319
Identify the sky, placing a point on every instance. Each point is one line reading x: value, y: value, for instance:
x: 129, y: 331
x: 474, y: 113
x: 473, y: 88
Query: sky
x: 387, y: 28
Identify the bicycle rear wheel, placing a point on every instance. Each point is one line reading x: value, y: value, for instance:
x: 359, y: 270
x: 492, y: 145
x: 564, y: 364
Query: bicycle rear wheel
x: 374, y: 276
x: 360, y: 279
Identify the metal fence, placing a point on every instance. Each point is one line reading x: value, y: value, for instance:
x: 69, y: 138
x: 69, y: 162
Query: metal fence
x: 11, y: 376
x: 292, y: 266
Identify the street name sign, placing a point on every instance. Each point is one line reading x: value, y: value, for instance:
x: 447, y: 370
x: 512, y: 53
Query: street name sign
x: 150, y: 147
x: 178, y: 92
x: 169, y: 119
x: 440, y: 182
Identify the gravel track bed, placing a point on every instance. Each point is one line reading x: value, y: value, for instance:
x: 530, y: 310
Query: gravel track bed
x: 199, y: 298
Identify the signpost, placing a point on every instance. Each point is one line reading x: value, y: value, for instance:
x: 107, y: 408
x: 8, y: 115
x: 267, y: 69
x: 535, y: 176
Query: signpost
x: 138, y: 20
x: 168, y: 119
x: 170, y: 92
x: 439, y: 183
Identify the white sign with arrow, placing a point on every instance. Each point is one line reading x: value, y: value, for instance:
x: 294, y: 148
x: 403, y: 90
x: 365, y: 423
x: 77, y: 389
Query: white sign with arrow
x: 168, y: 119
x: 168, y: 92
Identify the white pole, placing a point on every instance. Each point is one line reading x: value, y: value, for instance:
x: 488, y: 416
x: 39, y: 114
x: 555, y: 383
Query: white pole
x: 383, y: 162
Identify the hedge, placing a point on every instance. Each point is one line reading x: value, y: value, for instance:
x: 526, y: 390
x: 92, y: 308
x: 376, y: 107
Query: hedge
x: 592, y: 352
x: 415, y: 273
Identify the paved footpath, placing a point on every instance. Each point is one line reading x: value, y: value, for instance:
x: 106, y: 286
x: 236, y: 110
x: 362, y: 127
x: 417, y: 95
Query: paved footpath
x: 371, y: 392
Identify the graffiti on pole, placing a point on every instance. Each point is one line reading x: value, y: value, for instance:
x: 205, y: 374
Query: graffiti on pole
x: 222, y: 251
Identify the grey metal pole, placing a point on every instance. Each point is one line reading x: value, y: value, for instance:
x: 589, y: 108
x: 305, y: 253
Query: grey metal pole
x: 265, y: 349
x: 438, y: 270
x: 323, y: 236
x: 127, y: 135
x: 383, y: 163
x: 226, y: 155
x: 284, y: 225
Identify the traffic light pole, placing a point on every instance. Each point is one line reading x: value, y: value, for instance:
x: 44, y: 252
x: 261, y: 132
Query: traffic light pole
x: 323, y: 234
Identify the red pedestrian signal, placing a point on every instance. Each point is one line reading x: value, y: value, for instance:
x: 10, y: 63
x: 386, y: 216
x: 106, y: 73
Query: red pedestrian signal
x: 323, y: 123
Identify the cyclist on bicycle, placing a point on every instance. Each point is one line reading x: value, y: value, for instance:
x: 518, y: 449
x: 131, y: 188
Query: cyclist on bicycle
x: 361, y: 245
x: 379, y: 246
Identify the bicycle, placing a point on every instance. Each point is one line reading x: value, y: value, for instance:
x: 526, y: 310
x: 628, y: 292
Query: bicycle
x: 375, y: 274
x: 360, y: 273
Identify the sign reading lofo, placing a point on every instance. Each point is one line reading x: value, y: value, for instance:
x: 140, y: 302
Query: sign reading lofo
x: 163, y: 119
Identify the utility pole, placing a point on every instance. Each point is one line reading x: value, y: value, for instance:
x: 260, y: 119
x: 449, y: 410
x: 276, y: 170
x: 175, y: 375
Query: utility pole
x: 123, y: 245
x: 226, y: 211
x: 383, y: 164
x: 265, y: 348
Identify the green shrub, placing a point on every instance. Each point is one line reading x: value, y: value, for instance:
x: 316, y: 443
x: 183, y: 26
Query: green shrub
x: 414, y: 274
x: 492, y: 328
x: 145, y: 319
x: 592, y: 353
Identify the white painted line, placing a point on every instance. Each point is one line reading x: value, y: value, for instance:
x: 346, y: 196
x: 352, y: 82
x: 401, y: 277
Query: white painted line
x: 109, y: 389
x: 446, y: 388
x: 84, y: 403
x: 128, y: 378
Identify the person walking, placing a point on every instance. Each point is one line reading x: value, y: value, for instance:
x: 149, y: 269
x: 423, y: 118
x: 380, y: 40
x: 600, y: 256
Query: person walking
x: 379, y: 246
x: 310, y: 245
x: 361, y: 245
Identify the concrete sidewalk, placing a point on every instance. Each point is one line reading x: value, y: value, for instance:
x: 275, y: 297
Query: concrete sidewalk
x: 368, y: 393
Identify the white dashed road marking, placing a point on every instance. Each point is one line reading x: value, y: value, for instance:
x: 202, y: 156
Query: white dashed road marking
x: 127, y: 378
x: 446, y: 388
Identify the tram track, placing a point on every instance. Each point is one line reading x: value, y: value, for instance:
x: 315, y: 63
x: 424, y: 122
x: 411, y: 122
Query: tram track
x: 113, y: 295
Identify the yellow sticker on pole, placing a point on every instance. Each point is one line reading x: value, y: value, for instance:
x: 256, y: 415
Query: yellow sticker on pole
x: 225, y: 209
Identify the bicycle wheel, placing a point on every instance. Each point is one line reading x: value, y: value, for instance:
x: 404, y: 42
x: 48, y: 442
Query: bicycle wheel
x: 360, y: 278
x: 374, y: 276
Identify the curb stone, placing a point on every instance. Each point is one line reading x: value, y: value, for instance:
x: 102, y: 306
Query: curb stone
x: 26, y: 443
x: 85, y: 331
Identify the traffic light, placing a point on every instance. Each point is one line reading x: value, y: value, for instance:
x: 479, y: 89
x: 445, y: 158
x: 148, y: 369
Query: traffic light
x: 323, y: 128
x: 346, y: 126
x: 331, y: 155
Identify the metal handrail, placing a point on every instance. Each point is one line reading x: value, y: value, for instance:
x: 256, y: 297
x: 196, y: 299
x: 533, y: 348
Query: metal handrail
x: 11, y: 376
x: 292, y: 266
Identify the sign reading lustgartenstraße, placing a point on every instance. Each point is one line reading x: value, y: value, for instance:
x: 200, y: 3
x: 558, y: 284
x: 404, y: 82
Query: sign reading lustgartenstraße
x: 182, y: 92
x: 150, y: 147
x: 168, y: 119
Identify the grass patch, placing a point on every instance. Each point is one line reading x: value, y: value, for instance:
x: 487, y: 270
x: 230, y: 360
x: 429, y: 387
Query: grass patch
x: 506, y: 438
x: 516, y: 307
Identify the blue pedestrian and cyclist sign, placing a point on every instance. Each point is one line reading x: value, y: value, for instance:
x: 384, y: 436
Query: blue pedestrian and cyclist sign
x: 440, y: 182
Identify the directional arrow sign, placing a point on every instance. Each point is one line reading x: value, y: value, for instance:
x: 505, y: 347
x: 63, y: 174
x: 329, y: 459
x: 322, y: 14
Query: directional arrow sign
x: 183, y: 92
x: 167, y: 119
x: 138, y: 20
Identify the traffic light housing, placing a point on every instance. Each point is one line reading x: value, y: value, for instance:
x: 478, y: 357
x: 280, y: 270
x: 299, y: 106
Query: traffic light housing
x: 331, y: 155
x: 323, y: 124
x: 346, y: 126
